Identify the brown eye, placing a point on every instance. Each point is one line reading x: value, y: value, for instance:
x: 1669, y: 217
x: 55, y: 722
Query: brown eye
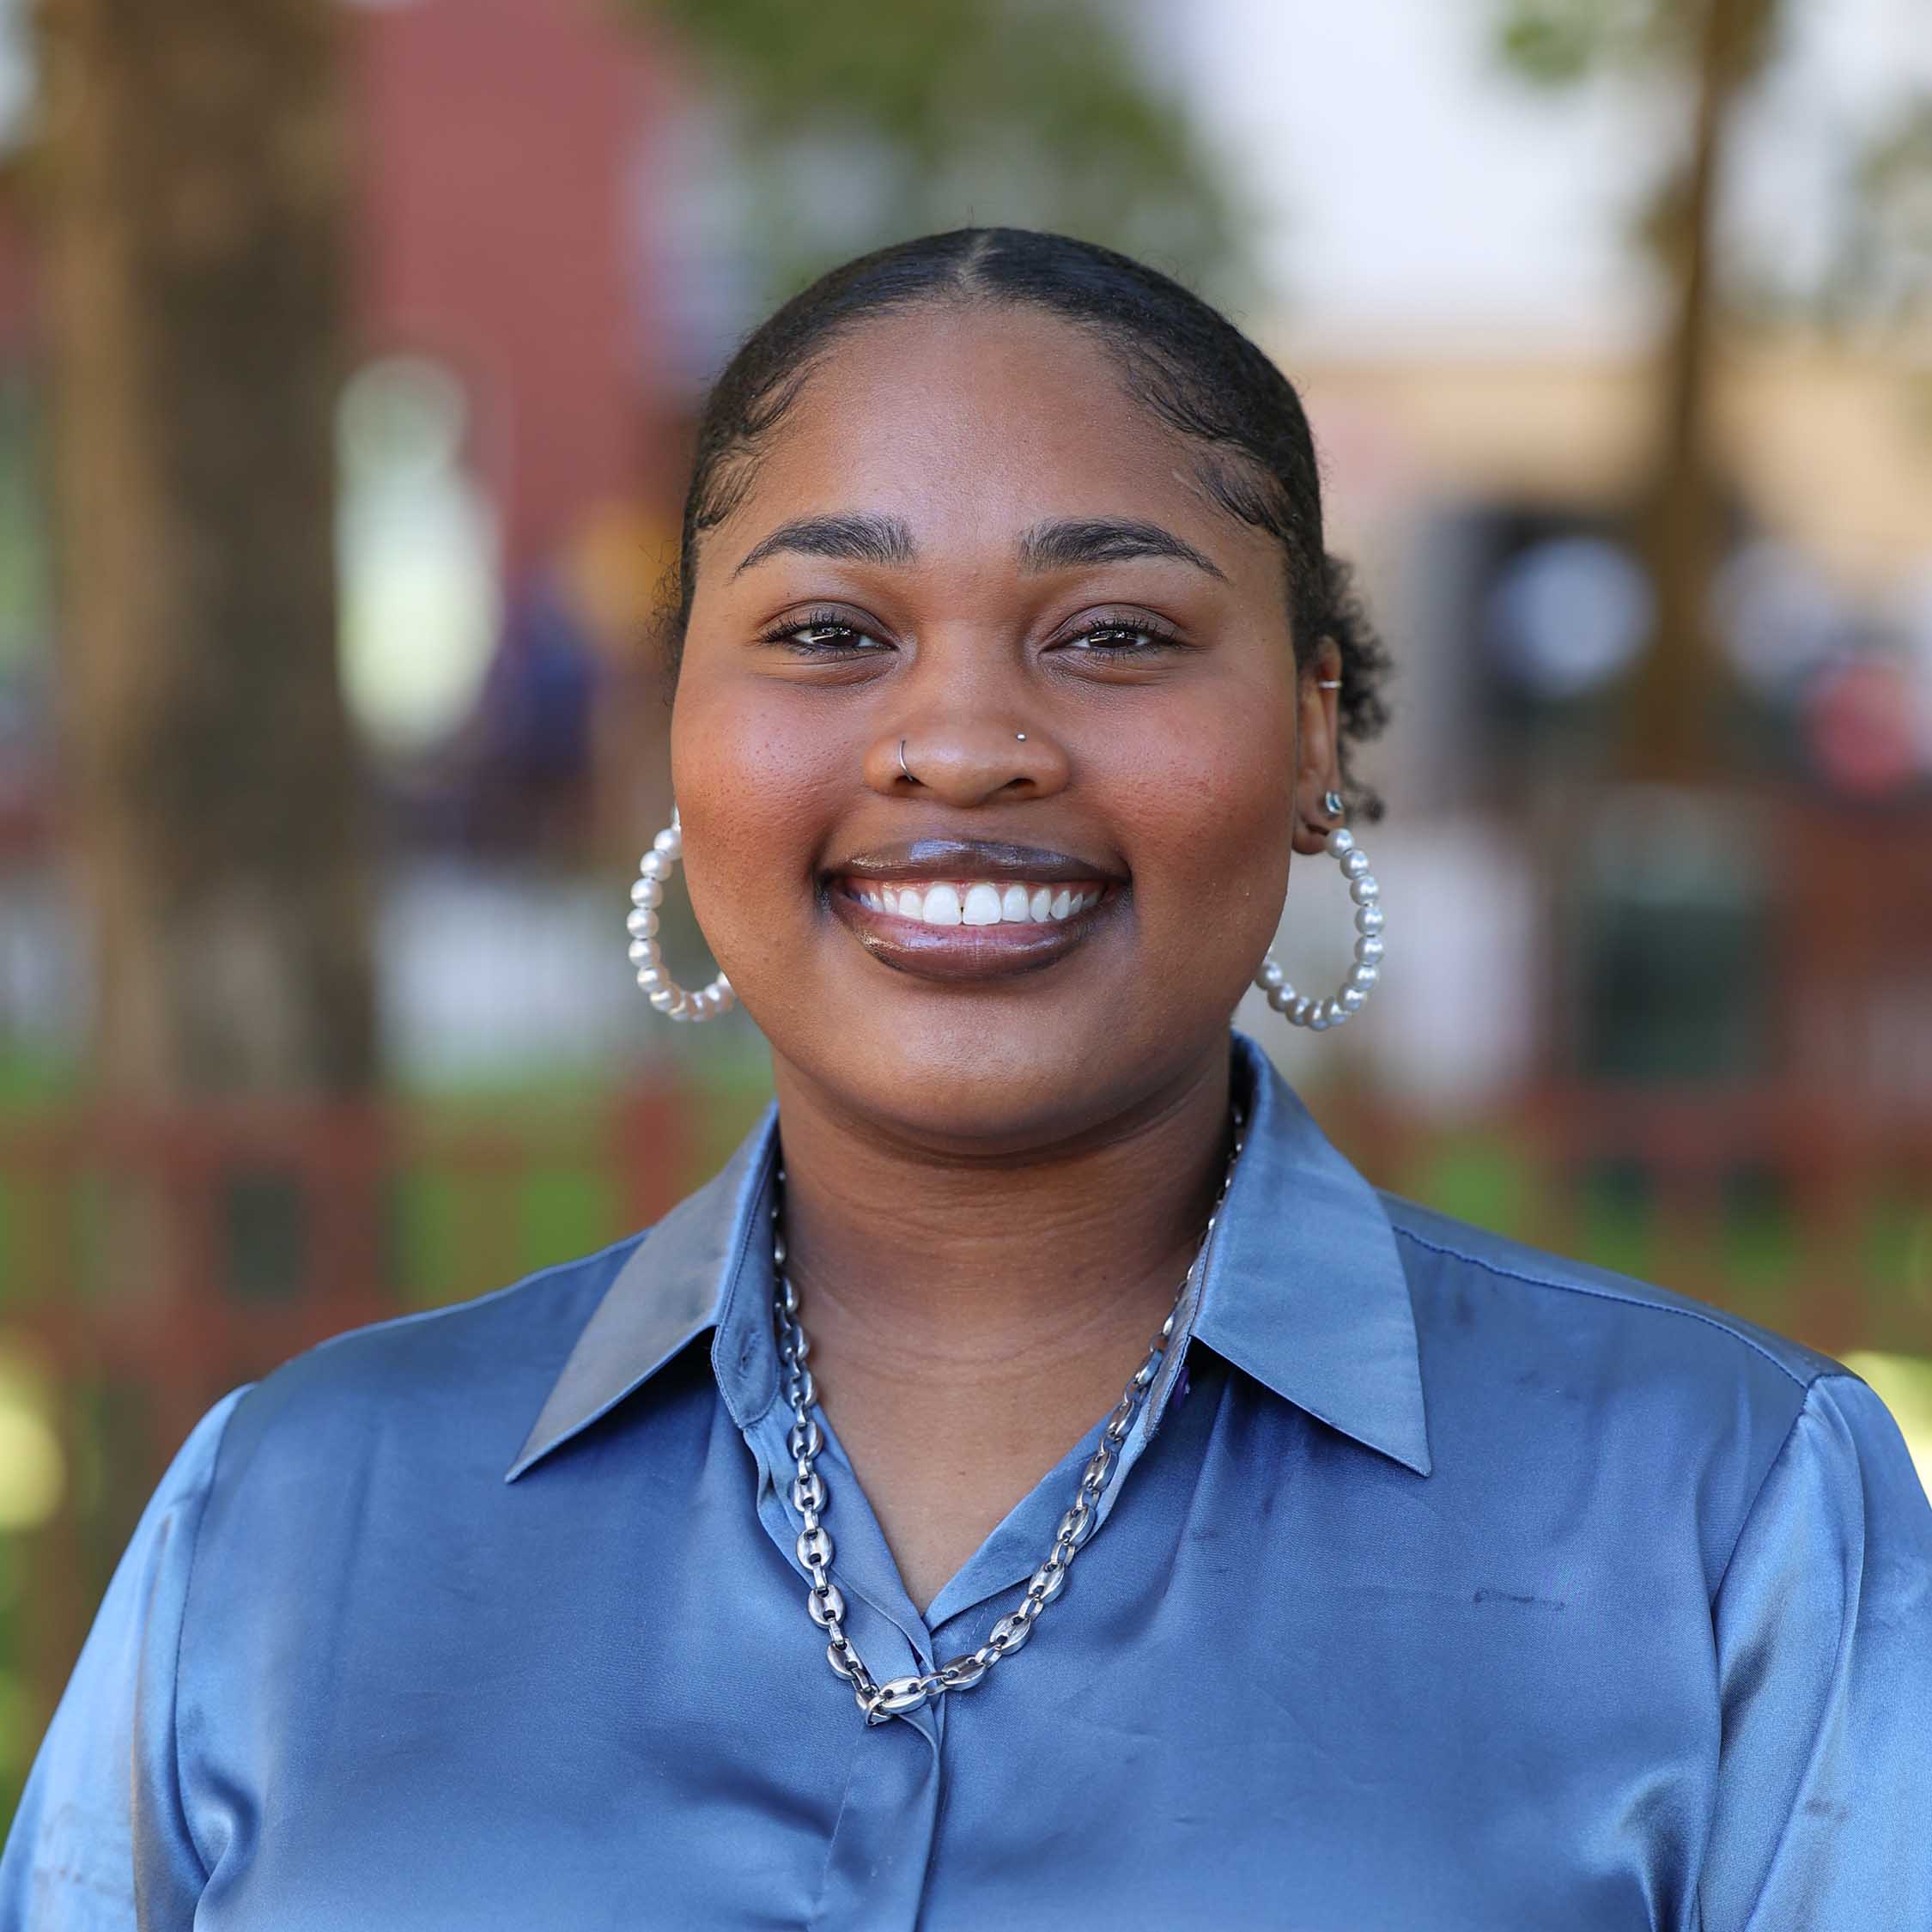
x: 830, y: 637
x: 1121, y: 640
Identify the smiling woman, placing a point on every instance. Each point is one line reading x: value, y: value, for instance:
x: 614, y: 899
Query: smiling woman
x: 1379, y: 1572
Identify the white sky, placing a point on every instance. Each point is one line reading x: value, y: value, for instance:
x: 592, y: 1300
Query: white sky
x: 1411, y: 193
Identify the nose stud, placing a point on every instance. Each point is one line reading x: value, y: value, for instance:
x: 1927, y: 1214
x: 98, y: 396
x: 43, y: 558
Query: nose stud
x: 1021, y: 735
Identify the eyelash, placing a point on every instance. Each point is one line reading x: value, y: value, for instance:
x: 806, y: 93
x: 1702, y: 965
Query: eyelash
x: 1147, y: 636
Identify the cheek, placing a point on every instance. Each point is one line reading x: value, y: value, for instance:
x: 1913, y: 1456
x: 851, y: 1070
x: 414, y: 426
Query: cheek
x: 1213, y: 800
x: 754, y: 794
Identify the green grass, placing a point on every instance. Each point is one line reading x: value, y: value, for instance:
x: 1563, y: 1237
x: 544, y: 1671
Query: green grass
x: 426, y: 1211
x: 36, y: 1079
x: 1476, y: 1177
x: 564, y: 1212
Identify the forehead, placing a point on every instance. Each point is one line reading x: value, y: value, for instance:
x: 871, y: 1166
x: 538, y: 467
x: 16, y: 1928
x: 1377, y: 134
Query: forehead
x: 974, y: 422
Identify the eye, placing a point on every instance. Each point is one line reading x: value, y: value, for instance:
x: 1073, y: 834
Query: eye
x: 823, y: 635
x: 1122, y: 638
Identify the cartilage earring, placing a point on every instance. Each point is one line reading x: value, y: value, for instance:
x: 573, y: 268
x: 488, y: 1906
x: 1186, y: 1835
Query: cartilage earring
x: 646, y: 896
x: 1318, y: 1015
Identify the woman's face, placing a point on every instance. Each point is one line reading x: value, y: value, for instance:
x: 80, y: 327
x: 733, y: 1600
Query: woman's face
x: 964, y: 537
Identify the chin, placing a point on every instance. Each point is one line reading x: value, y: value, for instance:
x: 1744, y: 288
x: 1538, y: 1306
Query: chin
x: 976, y: 1083
x: 959, y: 1087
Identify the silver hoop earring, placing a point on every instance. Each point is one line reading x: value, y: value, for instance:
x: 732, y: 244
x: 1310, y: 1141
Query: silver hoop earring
x: 1318, y: 1015
x: 646, y: 896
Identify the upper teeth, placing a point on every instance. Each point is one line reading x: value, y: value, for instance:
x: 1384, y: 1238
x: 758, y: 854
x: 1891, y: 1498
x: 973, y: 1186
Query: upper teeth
x: 977, y: 901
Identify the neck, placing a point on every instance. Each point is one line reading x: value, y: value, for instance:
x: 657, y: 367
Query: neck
x: 971, y: 1317
x: 994, y: 1271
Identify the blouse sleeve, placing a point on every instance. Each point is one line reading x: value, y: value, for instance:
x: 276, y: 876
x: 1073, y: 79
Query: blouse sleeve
x: 1823, y: 1816
x: 100, y: 1842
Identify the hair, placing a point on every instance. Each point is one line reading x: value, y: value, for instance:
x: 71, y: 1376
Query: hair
x: 1180, y: 359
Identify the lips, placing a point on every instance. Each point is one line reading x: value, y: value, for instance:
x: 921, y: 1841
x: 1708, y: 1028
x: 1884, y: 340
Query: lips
x: 969, y: 909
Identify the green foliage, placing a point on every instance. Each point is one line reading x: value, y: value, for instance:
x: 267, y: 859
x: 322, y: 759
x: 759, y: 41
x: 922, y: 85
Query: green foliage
x: 860, y: 123
x: 1886, y: 268
x: 1556, y: 43
x: 1881, y: 270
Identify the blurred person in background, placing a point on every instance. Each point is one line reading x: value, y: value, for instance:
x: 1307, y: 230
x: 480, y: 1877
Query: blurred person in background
x: 1408, y: 1577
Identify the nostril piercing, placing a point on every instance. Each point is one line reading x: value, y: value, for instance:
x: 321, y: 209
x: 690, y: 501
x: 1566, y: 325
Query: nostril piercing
x: 1021, y: 735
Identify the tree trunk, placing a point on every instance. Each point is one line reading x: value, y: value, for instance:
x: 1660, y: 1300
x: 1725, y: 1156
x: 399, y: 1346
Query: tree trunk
x: 196, y: 183
x: 1672, y: 720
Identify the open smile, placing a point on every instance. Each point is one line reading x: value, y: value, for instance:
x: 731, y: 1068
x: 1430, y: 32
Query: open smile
x: 959, y: 909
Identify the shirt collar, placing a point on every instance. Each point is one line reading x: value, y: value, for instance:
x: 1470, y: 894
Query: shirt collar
x: 706, y: 1264
x: 1302, y: 1288
x: 1305, y: 1286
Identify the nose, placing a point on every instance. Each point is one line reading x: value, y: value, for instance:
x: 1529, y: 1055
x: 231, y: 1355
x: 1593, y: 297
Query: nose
x: 966, y: 761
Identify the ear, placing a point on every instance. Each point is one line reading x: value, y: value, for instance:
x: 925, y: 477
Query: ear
x: 1319, y: 771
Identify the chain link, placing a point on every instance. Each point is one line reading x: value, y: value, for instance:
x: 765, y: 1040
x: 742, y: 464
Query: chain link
x: 897, y: 1696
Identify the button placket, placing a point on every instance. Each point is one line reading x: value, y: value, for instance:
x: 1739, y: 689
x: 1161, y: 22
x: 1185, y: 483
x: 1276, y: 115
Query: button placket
x: 877, y: 1609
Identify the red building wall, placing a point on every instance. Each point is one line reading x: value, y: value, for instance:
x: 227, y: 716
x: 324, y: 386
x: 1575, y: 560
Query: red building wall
x: 505, y: 158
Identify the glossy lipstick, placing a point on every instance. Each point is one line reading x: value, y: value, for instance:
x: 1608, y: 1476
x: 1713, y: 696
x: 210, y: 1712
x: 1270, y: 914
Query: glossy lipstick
x: 971, y: 909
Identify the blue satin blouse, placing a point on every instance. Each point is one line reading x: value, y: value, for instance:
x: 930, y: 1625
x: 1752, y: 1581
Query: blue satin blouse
x: 1442, y: 1585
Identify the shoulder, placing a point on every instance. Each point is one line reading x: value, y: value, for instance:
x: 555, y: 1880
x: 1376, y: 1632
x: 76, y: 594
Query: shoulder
x: 1452, y: 1264
x: 458, y: 1384
x: 1580, y: 1378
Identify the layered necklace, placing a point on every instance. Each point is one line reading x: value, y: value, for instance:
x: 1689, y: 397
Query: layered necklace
x: 898, y: 1696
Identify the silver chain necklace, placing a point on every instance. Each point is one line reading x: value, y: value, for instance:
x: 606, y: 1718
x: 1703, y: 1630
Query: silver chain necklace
x: 898, y: 1696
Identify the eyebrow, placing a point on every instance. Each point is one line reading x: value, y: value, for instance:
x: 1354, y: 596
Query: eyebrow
x: 850, y: 539
x: 1064, y: 544
x: 1074, y: 541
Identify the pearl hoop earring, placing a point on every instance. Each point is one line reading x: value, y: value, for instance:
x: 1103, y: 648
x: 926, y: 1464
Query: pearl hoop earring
x: 646, y: 896
x: 1318, y: 1015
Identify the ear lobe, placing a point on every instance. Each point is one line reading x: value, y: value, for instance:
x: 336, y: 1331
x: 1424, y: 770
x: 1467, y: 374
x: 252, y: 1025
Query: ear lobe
x: 1310, y: 841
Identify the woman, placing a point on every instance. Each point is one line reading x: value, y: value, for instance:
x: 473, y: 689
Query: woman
x: 1416, y: 1580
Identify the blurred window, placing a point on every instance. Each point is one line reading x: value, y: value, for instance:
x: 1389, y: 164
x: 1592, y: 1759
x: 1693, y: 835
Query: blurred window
x: 1780, y: 618
x: 1568, y: 616
x: 1673, y: 911
x: 417, y: 555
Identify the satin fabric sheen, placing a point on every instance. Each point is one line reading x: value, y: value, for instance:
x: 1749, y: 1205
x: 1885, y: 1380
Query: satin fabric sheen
x: 1444, y: 1586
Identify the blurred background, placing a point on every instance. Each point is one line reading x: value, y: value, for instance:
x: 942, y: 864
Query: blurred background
x: 348, y: 359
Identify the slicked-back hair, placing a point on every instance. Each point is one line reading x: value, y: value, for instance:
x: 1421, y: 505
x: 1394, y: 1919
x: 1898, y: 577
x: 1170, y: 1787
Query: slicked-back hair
x: 1178, y: 358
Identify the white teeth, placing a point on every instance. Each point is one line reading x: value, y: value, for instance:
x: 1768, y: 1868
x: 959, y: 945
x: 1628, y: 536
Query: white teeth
x: 977, y: 901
